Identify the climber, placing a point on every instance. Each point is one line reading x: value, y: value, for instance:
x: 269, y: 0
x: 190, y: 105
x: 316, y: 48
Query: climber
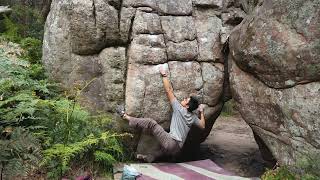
x: 183, y: 117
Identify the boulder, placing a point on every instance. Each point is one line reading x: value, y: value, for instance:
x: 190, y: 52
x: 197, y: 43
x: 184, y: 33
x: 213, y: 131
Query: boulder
x: 279, y: 43
x: 287, y: 120
x: 56, y: 42
x: 274, y: 76
x: 94, y: 25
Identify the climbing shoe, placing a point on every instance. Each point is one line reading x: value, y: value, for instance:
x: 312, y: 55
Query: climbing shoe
x: 120, y: 110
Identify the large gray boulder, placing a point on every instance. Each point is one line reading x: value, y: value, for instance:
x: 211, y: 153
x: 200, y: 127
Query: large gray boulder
x: 274, y: 76
x: 279, y: 43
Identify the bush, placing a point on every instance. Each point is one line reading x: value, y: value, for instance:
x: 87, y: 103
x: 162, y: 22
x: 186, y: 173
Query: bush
x: 47, y: 121
x: 33, y: 50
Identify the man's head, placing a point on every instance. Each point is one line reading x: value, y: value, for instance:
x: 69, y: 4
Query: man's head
x: 191, y: 103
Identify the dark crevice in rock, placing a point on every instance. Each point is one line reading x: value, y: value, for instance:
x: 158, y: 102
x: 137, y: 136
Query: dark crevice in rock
x: 142, y: 113
x: 125, y: 72
x: 131, y: 29
x: 234, y: 21
x: 207, y: 6
x: 165, y: 42
x: 115, y: 3
x: 137, y: 6
x: 265, y: 151
x: 158, y: 63
x: 127, y: 55
x: 226, y: 93
x: 175, y: 15
x: 149, y: 33
x: 184, y: 40
x: 119, y: 15
x: 94, y: 13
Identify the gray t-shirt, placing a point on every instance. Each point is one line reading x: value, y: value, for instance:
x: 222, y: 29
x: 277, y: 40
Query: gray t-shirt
x: 181, y: 122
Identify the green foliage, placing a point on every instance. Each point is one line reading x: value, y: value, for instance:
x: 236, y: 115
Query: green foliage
x: 104, y: 150
x: 11, y: 30
x: 18, y: 103
x: 48, y: 121
x: 39, y: 118
x: 33, y: 50
x: 229, y: 108
x: 281, y: 173
x: 19, y: 151
x: 307, y: 168
x: 23, y: 22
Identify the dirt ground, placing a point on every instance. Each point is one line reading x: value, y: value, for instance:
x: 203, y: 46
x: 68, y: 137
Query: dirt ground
x: 232, y: 146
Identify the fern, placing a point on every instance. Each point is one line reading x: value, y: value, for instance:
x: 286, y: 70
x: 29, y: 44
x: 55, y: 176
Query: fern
x: 51, y: 121
x: 19, y: 152
x: 99, y: 147
x: 104, y: 157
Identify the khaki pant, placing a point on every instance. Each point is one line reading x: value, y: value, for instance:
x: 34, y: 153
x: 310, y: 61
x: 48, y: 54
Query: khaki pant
x: 169, y: 146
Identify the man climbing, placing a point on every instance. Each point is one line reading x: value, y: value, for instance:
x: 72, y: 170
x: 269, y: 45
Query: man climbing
x: 183, y: 117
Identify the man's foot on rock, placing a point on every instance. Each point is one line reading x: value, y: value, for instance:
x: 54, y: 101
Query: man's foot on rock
x: 145, y: 158
x: 120, y: 110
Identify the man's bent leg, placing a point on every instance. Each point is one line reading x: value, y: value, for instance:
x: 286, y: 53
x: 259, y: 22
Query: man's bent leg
x: 169, y: 145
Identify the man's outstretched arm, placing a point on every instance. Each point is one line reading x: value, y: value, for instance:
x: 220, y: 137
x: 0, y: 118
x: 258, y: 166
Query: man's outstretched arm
x: 167, y: 85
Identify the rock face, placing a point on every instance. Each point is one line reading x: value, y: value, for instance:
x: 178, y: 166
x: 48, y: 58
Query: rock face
x: 115, y: 48
x: 275, y: 73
